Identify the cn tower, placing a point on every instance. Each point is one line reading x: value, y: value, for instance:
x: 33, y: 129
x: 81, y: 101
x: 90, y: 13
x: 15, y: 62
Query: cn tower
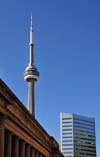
x: 31, y: 75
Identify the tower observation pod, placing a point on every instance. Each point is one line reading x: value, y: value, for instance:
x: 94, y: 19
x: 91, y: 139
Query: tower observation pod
x: 31, y: 75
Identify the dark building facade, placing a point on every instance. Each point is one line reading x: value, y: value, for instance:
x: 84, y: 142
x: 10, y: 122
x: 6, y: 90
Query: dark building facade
x: 21, y: 135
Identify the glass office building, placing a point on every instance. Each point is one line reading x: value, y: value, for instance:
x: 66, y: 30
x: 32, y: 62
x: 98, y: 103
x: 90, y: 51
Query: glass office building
x: 77, y: 135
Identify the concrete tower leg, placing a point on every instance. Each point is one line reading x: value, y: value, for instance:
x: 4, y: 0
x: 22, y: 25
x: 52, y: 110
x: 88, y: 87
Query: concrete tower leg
x: 31, y: 106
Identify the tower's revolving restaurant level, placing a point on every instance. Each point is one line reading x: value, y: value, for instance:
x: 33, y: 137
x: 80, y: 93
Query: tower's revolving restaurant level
x: 31, y: 73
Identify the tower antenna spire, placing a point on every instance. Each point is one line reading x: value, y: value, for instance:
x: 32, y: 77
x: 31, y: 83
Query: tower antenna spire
x: 31, y: 74
x: 31, y: 30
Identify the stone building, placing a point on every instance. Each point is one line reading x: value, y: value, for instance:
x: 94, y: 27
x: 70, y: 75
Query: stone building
x: 21, y: 135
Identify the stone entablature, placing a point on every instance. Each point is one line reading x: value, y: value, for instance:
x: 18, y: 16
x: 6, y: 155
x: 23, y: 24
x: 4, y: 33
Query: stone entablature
x: 22, y: 130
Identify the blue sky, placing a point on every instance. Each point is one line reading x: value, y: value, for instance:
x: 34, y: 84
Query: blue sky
x: 67, y: 55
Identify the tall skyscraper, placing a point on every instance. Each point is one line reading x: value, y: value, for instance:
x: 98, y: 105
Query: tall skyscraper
x: 31, y: 75
x: 77, y: 135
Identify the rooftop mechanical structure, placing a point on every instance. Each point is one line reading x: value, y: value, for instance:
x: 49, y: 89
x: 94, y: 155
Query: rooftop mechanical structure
x: 31, y: 74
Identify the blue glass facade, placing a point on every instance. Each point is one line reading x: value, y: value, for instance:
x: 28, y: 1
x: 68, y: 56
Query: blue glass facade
x: 77, y: 136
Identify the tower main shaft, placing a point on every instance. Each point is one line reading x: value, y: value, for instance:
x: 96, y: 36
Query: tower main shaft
x: 31, y: 75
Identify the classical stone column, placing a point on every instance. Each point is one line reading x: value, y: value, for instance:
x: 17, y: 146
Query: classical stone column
x: 8, y: 144
x: 21, y: 148
x: 27, y: 150
x: 40, y: 155
x: 37, y: 153
x: 2, y: 134
x: 15, y: 146
x: 32, y: 152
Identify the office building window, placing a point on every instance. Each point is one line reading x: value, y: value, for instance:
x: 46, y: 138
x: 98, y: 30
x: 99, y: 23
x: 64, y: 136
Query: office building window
x: 66, y: 140
x: 66, y: 125
x: 83, y: 120
x: 66, y: 118
x: 67, y: 137
x: 66, y: 144
x: 67, y: 133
